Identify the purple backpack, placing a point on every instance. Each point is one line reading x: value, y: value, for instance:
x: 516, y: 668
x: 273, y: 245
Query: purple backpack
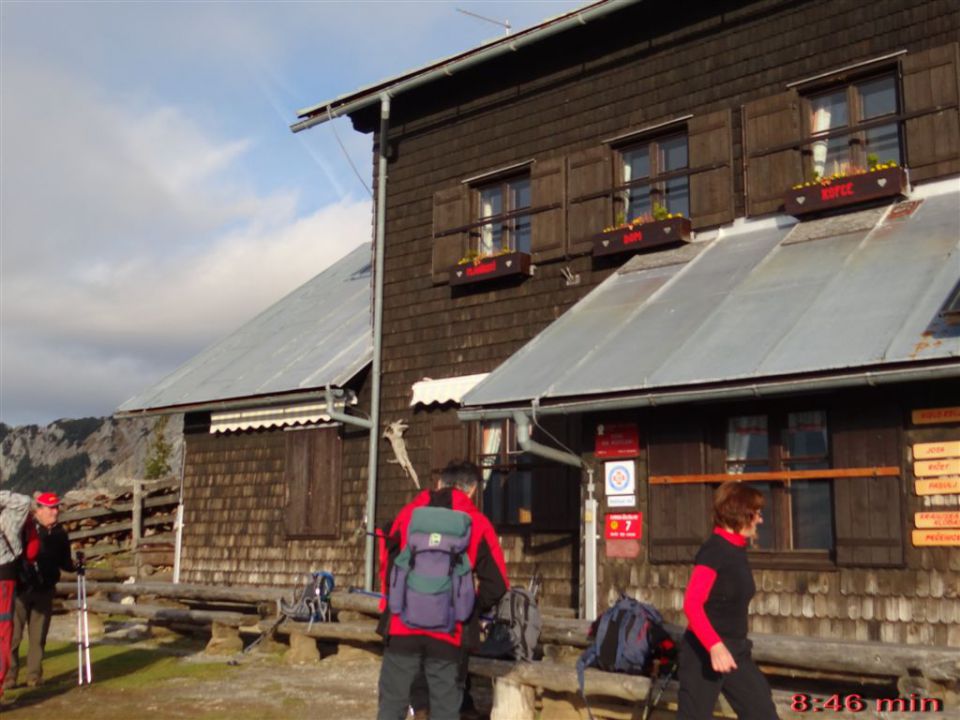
x: 431, y: 583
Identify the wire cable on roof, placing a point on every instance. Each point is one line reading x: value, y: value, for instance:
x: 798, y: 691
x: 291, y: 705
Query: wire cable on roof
x: 346, y: 154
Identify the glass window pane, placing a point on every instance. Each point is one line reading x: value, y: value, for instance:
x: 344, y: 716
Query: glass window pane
x: 638, y: 202
x: 766, y: 537
x: 878, y: 97
x: 519, y: 193
x: 884, y: 142
x: 521, y: 234
x: 520, y: 497
x: 747, y: 444
x: 831, y: 157
x: 806, y: 435
x: 636, y: 163
x: 828, y: 111
x: 493, y: 496
x: 491, y: 238
x: 491, y: 201
x: 812, y: 509
x: 678, y: 196
x: 673, y: 152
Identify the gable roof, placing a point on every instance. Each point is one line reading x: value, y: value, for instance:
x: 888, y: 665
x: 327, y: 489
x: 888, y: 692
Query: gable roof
x: 317, y: 336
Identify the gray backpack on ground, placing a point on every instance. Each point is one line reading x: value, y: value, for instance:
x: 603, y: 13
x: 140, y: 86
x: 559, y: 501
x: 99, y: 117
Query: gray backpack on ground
x: 516, y: 627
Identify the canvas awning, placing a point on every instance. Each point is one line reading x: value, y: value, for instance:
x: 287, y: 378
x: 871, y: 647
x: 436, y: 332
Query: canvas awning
x: 766, y: 301
x: 444, y: 390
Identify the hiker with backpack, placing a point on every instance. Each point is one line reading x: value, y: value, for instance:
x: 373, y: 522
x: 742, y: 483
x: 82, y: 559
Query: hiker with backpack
x: 19, y: 544
x: 715, y: 652
x: 443, y: 568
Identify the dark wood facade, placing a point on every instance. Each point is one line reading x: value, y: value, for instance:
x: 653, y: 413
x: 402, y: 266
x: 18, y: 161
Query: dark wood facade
x: 564, y: 108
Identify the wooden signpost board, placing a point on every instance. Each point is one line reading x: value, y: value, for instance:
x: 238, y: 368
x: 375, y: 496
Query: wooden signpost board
x: 936, y: 538
x: 934, y: 450
x: 937, y: 519
x: 935, y: 416
x: 938, y: 486
x: 936, y: 468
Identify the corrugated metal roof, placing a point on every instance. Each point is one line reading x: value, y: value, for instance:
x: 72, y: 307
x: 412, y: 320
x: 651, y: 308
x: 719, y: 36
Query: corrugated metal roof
x: 755, y: 305
x: 318, y: 335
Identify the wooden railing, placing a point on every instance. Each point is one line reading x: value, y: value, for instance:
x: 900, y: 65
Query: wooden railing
x: 140, y: 522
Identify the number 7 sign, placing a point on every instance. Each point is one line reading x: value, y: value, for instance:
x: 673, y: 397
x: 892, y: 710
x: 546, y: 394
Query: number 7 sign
x: 623, y: 526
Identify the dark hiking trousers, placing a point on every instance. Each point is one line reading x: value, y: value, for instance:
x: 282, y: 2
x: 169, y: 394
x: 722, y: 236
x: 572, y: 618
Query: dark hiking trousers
x: 745, y: 688
x: 397, y: 673
x: 32, y: 610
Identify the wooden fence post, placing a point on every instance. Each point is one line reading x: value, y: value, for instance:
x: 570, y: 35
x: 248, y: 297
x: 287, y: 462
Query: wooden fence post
x: 137, y: 524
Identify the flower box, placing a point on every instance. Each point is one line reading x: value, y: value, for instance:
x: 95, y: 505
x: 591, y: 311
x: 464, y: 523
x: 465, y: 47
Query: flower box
x: 640, y: 237
x: 489, y: 268
x: 843, y: 191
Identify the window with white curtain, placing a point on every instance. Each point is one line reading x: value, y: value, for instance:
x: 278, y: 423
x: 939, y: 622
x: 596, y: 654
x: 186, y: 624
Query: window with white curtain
x: 507, y: 476
x: 865, y: 102
x: 505, y: 228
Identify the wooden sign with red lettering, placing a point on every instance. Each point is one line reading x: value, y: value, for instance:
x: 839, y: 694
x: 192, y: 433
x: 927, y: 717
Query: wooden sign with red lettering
x: 936, y: 538
x: 938, y: 486
x: 928, y: 451
x: 936, y: 416
x: 937, y: 519
x: 934, y: 468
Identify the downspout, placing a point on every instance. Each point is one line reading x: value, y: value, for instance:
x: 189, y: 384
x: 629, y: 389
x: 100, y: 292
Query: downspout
x: 529, y: 445
x: 381, y: 221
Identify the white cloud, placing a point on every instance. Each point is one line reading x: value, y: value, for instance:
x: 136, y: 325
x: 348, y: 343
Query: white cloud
x: 132, y: 237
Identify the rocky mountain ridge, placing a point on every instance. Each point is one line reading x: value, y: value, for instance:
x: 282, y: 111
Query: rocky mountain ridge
x: 103, y: 453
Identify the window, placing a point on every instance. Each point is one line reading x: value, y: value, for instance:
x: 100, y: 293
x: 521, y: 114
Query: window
x: 506, y: 227
x: 653, y: 173
x: 312, y: 473
x: 798, y: 513
x: 507, y: 476
x: 847, y: 126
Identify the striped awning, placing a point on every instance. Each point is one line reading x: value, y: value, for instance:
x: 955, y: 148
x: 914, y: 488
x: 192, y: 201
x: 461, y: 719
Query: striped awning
x: 269, y: 417
x: 444, y: 390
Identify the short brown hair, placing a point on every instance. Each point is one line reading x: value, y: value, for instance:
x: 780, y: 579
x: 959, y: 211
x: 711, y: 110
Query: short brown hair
x: 735, y: 504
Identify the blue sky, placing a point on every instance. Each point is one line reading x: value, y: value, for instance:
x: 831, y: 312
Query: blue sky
x: 153, y: 198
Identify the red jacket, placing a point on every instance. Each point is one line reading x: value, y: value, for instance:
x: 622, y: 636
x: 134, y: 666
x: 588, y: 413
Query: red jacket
x: 484, y: 553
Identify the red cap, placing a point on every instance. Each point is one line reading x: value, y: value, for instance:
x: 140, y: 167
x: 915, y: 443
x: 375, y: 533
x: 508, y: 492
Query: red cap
x: 48, y: 499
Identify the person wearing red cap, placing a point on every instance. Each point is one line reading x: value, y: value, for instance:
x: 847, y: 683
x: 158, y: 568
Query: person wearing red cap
x: 34, y: 601
x: 17, y: 540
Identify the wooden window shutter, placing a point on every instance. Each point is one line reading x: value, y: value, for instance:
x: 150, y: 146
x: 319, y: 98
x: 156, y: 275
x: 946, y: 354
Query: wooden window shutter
x: 679, y: 515
x: 770, y: 123
x: 548, y: 229
x: 451, y: 209
x: 930, y: 80
x: 711, y: 192
x: 867, y: 511
x: 313, y: 470
x: 589, y: 174
x: 449, y: 440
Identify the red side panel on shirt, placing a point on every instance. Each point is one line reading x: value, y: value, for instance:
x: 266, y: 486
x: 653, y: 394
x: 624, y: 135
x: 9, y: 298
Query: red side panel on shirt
x: 31, y: 544
x: 701, y: 582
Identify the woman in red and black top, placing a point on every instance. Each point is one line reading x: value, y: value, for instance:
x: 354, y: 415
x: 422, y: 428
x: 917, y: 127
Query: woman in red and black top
x: 715, y: 653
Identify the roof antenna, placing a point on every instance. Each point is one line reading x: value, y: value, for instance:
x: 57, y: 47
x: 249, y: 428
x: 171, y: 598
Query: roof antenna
x: 505, y: 24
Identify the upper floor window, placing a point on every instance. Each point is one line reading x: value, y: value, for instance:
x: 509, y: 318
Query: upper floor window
x: 798, y: 513
x: 505, y: 226
x: 653, y: 173
x: 860, y: 106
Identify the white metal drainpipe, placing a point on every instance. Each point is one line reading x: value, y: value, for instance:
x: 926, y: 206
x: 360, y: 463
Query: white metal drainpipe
x: 528, y: 444
x: 371, y: 512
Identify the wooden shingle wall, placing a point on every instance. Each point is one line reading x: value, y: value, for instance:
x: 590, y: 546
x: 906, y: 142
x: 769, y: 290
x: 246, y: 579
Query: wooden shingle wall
x: 234, y: 499
x: 561, y: 97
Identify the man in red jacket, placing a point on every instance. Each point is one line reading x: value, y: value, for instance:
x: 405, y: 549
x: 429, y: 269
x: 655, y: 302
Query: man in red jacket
x: 438, y: 654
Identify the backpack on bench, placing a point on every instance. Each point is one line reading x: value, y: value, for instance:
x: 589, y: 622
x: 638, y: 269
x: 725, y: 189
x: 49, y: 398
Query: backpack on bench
x: 516, y: 626
x: 313, y: 603
x: 626, y: 638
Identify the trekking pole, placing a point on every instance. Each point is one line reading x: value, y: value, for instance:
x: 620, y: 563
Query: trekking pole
x: 83, y: 626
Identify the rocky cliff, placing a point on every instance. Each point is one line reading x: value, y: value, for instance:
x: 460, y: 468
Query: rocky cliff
x: 104, y: 453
